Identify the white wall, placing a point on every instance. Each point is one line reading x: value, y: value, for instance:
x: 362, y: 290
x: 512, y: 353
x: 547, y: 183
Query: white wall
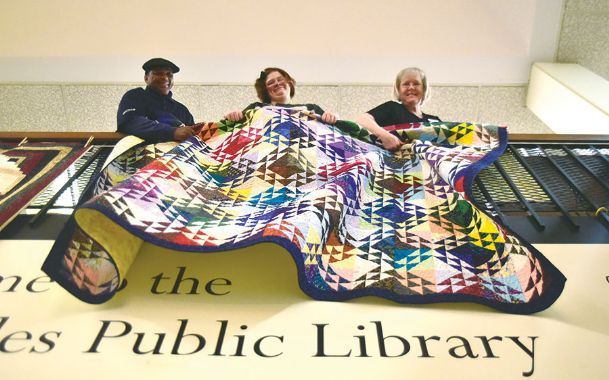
x: 319, y: 41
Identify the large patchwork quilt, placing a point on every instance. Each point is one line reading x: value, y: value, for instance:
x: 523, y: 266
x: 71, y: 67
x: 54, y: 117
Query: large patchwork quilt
x: 27, y: 169
x: 358, y: 220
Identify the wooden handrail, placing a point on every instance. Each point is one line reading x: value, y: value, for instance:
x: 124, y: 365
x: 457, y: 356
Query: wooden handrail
x: 554, y: 137
x: 62, y: 136
x: 115, y: 136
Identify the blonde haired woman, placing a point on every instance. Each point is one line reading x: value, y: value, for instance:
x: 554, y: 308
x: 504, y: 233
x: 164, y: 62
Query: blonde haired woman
x: 410, y: 91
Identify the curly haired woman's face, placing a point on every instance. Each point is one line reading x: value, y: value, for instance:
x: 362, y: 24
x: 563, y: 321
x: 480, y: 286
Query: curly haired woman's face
x: 278, y: 87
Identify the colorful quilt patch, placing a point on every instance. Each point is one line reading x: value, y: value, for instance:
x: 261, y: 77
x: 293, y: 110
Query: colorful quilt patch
x: 358, y: 220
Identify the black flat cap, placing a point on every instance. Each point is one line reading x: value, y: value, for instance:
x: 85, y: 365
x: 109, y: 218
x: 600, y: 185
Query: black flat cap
x: 156, y: 63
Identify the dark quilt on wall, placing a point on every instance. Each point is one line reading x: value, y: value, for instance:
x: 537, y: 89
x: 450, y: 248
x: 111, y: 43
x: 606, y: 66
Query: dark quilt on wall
x: 357, y: 220
x: 27, y: 169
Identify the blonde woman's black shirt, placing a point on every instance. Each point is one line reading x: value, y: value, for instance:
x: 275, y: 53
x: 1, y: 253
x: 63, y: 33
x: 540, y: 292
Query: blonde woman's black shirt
x: 392, y: 113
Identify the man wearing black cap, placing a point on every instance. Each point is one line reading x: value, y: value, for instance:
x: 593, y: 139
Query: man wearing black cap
x: 152, y: 114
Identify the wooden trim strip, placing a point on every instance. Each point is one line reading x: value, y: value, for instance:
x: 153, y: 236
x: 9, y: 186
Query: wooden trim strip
x: 528, y: 137
x: 115, y: 136
x: 62, y: 136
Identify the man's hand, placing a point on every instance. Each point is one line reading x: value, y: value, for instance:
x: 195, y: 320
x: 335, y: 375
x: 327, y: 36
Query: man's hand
x: 184, y: 132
